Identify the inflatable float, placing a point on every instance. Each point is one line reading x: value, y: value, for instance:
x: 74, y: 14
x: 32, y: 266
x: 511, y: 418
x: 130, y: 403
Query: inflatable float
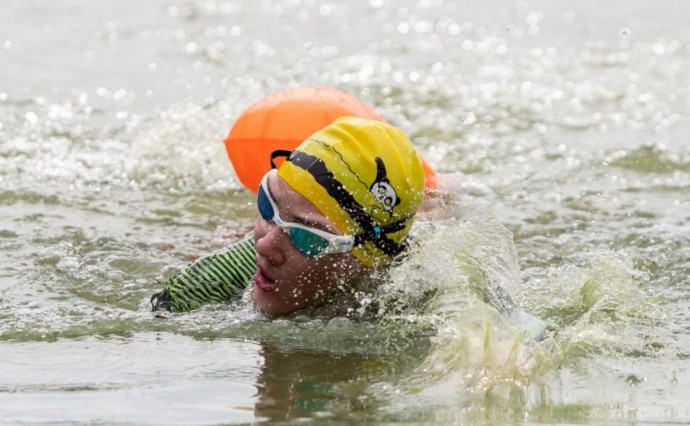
x: 283, y: 120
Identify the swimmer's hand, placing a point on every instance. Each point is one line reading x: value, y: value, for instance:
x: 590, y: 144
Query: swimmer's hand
x: 535, y: 328
x: 160, y: 300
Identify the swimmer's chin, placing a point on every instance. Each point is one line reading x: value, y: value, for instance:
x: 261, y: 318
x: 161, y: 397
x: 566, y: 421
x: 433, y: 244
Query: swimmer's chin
x: 266, y: 296
x: 272, y: 305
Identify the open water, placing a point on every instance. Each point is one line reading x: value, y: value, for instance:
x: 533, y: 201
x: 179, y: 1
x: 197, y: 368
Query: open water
x: 562, y: 128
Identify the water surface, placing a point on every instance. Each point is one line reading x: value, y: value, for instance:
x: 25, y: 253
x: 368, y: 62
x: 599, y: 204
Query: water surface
x: 562, y: 129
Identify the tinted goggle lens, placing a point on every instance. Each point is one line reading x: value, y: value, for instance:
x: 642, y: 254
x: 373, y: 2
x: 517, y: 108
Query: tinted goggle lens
x: 307, y: 242
x: 264, y: 205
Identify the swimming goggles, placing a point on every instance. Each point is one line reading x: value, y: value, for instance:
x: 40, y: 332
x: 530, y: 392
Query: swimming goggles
x: 309, y: 241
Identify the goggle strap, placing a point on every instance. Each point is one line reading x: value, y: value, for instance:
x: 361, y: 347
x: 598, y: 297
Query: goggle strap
x: 277, y: 154
x: 377, y: 236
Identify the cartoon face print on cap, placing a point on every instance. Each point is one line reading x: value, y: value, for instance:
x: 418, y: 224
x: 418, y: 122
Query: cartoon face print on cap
x: 382, y: 190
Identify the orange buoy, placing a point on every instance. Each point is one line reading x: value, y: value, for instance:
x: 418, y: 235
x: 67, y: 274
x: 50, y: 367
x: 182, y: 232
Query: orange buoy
x: 283, y: 120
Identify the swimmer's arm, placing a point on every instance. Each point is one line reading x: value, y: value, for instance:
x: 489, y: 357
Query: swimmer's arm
x: 217, y: 277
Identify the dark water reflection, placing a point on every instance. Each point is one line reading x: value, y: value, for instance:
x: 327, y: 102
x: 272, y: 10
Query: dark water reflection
x: 314, y: 384
x: 566, y: 120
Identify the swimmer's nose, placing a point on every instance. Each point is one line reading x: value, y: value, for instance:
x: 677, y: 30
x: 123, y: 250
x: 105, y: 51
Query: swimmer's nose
x: 270, y: 241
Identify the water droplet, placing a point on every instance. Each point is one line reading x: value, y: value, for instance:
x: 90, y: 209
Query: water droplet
x: 31, y: 117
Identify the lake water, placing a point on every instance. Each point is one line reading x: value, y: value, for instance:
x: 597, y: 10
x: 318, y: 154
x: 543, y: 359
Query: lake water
x: 562, y: 128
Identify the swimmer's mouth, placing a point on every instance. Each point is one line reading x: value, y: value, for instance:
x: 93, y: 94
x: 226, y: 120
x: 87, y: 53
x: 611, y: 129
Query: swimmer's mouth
x: 264, y: 283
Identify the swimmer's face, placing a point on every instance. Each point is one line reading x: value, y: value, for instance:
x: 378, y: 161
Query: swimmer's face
x: 287, y: 279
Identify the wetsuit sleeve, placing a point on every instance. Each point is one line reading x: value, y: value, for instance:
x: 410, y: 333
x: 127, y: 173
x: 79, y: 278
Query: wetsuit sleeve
x: 217, y: 277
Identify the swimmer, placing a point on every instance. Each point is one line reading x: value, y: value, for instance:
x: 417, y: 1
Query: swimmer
x: 336, y: 209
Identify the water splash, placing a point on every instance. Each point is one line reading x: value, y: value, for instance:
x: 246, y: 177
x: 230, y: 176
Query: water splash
x: 599, y: 308
x: 184, y: 151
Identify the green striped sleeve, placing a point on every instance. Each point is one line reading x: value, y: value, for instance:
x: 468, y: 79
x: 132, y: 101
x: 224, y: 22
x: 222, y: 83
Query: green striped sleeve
x: 217, y: 277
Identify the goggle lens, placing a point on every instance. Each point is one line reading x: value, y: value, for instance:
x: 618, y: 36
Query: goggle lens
x: 306, y: 242
x: 264, y: 205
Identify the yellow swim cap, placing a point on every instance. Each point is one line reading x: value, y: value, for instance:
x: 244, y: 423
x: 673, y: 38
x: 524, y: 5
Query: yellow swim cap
x: 365, y: 176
